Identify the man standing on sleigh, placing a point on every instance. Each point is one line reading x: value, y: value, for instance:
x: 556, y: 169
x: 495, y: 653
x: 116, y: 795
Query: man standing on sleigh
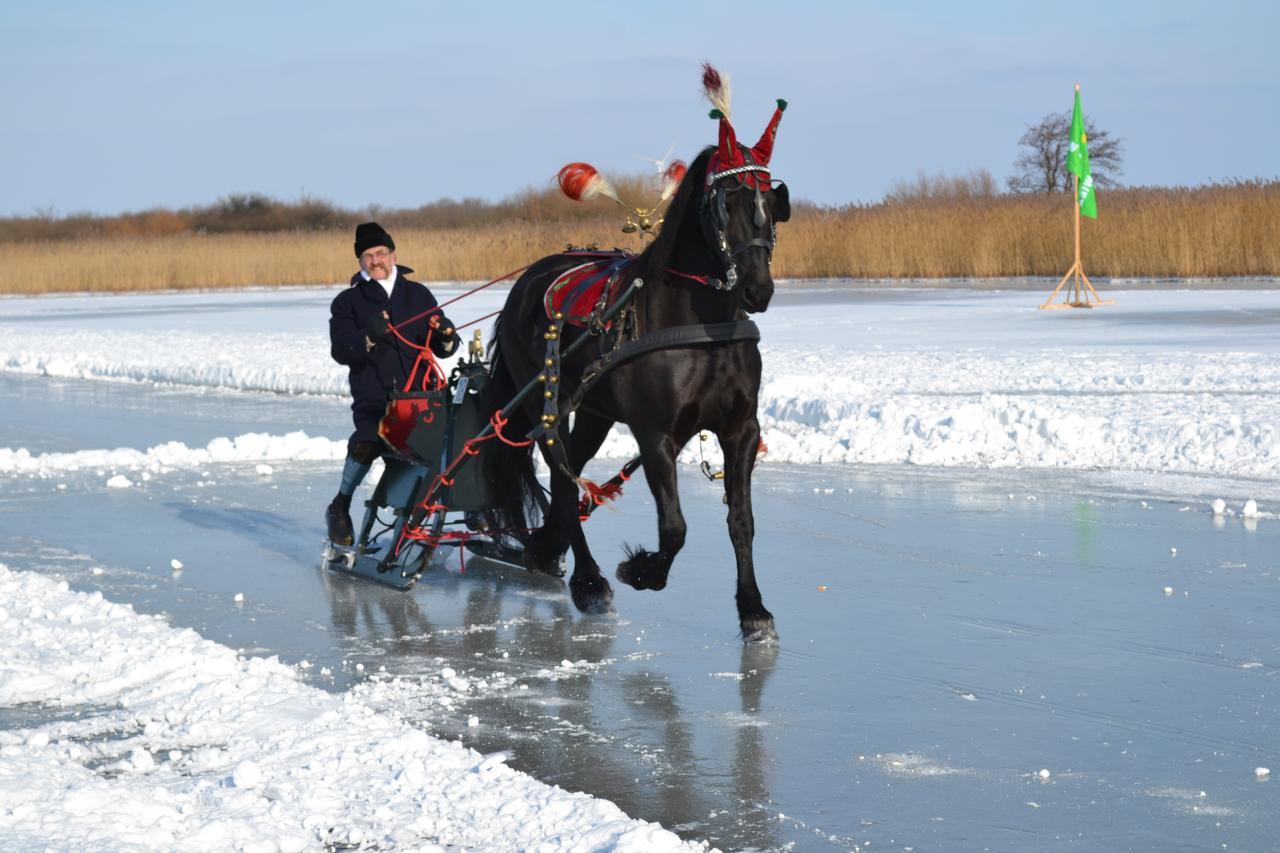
x: 362, y: 338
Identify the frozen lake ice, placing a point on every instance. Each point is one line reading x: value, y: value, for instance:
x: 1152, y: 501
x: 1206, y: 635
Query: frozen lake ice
x: 949, y: 631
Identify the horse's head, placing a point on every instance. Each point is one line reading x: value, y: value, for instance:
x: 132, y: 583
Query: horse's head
x: 720, y: 226
x: 741, y: 203
x: 741, y: 207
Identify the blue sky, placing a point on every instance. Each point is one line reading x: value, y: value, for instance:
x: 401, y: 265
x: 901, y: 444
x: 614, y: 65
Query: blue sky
x: 132, y: 104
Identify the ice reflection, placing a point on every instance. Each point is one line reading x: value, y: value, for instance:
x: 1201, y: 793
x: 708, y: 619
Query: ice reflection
x: 472, y: 611
x: 578, y: 702
x: 751, y: 756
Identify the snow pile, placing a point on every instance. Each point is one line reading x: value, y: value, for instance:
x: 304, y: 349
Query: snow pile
x: 1211, y: 435
x: 170, y: 741
x: 250, y: 447
x: 276, y: 362
x: 955, y: 378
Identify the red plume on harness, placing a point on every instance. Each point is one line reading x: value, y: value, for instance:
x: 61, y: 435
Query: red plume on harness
x: 728, y: 154
x: 672, y: 177
x: 716, y: 87
x: 581, y: 182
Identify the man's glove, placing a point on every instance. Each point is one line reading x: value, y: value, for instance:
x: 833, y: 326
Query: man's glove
x: 378, y: 329
x: 444, y: 338
x: 449, y: 341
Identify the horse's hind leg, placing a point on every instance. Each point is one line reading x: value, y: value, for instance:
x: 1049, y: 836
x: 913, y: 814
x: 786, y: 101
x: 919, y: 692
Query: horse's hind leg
x: 591, y: 592
x: 544, y: 550
x: 649, y: 569
x: 546, y: 547
x: 740, y: 444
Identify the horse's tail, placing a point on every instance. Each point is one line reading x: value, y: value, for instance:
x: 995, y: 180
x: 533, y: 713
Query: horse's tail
x: 518, y: 498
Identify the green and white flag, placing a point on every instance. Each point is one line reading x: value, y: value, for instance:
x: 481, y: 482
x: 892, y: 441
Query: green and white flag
x: 1078, y: 163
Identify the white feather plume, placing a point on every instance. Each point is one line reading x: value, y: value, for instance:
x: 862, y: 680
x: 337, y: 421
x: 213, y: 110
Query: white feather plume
x: 719, y: 97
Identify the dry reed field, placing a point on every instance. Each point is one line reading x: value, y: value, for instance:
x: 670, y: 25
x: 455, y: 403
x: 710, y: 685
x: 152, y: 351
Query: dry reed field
x: 1216, y: 231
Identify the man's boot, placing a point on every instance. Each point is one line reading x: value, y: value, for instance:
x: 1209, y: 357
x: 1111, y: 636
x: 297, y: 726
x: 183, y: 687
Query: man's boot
x: 338, y: 519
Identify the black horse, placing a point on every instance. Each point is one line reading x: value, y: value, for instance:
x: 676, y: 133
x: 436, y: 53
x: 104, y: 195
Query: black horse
x: 708, y: 265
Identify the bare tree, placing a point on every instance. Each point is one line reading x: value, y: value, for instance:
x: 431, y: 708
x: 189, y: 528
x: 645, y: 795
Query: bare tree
x: 1042, y: 165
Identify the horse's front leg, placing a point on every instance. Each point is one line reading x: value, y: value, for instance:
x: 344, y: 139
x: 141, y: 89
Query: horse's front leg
x: 740, y: 444
x: 649, y: 569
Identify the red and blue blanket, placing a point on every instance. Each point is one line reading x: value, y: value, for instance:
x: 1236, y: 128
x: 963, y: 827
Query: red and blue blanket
x: 577, y: 291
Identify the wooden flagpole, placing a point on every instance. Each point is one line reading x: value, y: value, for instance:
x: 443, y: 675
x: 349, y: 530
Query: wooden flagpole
x: 1080, y: 297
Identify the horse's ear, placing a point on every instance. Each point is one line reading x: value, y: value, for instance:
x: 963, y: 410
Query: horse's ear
x: 781, y: 202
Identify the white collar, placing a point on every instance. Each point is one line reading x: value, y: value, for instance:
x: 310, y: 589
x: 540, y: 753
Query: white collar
x: 388, y: 282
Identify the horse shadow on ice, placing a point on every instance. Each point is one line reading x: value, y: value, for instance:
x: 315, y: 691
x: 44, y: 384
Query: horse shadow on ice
x: 605, y: 725
x: 725, y: 798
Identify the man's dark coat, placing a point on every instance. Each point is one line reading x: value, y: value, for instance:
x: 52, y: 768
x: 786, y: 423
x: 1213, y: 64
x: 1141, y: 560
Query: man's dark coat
x: 376, y: 373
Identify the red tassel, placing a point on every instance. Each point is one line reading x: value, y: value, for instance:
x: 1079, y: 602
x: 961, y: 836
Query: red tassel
x: 716, y: 87
x: 574, y: 178
x: 594, y: 495
x: 672, y: 177
x: 582, y: 182
x: 710, y: 78
x: 600, y: 494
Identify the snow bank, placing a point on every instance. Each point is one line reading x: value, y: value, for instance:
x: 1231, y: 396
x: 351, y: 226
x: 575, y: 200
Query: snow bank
x: 272, y: 361
x: 1190, y: 384
x: 250, y: 447
x: 162, y: 740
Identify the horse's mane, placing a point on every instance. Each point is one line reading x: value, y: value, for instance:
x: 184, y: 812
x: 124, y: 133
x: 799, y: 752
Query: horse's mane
x: 654, y: 260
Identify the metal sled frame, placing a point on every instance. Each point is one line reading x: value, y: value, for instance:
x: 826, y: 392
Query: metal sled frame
x: 373, y: 556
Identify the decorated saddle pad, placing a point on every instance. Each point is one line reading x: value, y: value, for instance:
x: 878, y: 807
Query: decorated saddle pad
x: 578, y: 290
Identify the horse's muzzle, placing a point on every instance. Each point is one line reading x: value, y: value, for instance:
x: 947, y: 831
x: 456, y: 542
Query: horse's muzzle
x: 756, y: 296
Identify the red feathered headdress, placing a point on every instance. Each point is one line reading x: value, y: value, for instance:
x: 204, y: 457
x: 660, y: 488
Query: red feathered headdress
x: 729, y: 155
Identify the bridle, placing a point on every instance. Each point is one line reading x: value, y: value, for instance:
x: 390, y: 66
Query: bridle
x: 714, y: 217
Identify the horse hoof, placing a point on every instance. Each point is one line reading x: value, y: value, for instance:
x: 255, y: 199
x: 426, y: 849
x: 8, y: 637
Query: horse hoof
x: 643, y: 570
x: 759, y: 631
x: 594, y: 597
